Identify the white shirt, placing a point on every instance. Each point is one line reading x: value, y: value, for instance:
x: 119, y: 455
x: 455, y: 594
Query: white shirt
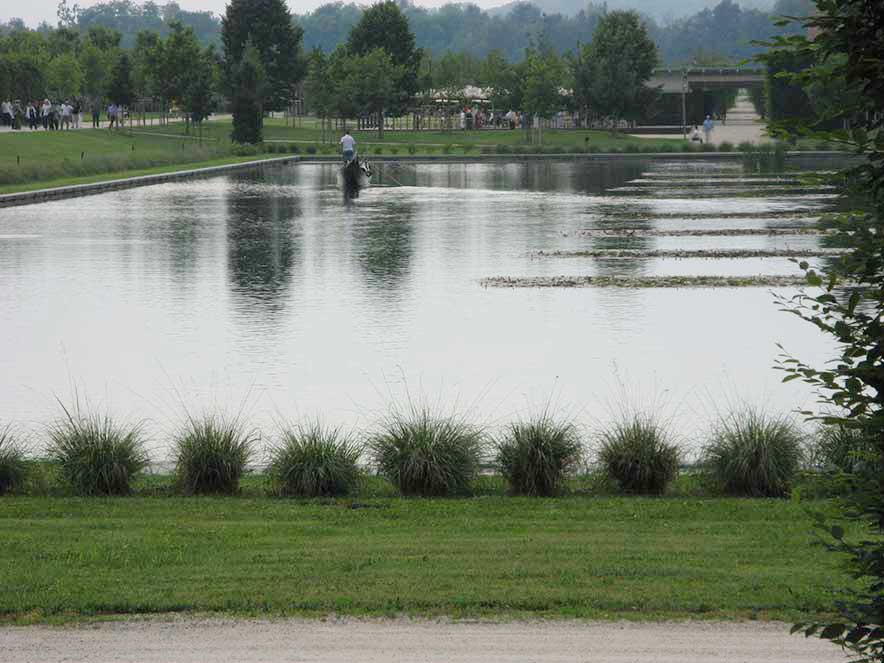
x: 66, y: 110
x: 348, y: 142
x: 6, y: 107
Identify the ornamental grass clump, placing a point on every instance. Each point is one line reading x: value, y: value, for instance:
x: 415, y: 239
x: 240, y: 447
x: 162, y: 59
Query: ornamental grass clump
x: 754, y: 454
x: 638, y: 454
x: 427, y: 455
x: 314, y: 461
x: 211, y: 455
x: 536, y: 457
x: 13, y: 466
x: 94, y: 454
x: 841, y: 448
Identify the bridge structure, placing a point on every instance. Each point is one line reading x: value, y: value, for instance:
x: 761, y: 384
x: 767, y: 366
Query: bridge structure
x: 684, y: 81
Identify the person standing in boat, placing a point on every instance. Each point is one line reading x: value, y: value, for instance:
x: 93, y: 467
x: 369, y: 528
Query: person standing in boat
x: 348, y: 146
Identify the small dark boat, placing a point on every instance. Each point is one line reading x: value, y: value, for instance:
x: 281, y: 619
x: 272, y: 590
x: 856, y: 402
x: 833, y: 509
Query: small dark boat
x: 356, y: 175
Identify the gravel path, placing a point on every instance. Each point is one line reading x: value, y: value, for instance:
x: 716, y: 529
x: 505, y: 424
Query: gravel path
x: 185, y: 640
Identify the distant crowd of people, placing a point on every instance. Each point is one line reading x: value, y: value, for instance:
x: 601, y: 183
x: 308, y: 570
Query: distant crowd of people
x: 56, y: 115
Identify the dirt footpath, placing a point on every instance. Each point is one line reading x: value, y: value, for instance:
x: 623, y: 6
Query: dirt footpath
x: 182, y: 640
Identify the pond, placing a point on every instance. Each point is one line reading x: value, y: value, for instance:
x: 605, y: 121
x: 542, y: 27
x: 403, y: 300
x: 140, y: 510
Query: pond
x: 264, y: 294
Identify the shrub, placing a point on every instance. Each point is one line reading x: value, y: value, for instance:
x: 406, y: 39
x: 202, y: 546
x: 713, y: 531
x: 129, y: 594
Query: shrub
x: 839, y: 448
x: 632, y: 148
x: 707, y: 147
x: 468, y: 148
x: 755, y: 454
x: 665, y: 147
x: 294, y: 149
x: 535, y: 457
x: 576, y: 149
x: 311, y: 149
x: 687, y: 147
x: 12, y: 463
x: 244, y: 150
x: 745, y: 146
x: 211, y: 455
x: 94, y: 454
x: 412, y: 148
x: 447, y: 148
x: 725, y: 146
x: 823, y: 146
x: 378, y: 150
x: 394, y: 150
x: 313, y: 461
x: 428, y: 455
x: 486, y: 149
x: 637, y: 453
x: 503, y: 149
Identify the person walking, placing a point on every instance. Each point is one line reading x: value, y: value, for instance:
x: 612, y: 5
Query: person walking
x: 75, y: 112
x: 31, y: 115
x: 708, y: 126
x: 6, y: 113
x: 96, y: 113
x: 66, y: 112
x: 45, y: 112
x: 348, y: 146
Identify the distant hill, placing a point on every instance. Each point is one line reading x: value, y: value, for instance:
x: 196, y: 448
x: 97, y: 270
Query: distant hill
x: 660, y: 10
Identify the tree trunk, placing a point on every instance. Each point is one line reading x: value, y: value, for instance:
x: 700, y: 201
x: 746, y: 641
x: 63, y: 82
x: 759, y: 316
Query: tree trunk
x: 381, y: 124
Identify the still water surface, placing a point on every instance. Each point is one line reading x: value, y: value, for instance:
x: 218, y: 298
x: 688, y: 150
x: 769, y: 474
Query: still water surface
x: 264, y: 293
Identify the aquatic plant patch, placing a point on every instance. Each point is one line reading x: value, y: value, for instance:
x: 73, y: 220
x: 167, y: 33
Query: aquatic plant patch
x: 697, y: 232
x: 685, y: 253
x: 642, y: 281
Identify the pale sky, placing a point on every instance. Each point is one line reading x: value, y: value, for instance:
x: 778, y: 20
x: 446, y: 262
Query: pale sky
x: 34, y: 11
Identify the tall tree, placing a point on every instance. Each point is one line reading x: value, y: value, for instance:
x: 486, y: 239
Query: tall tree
x: 121, y: 90
x: 544, y: 75
x: 64, y: 77
x: 266, y: 25
x: 372, y: 81
x: 847, y: 53
x: 250, y: 81
x: 384, y: 26
x: 612, y: 71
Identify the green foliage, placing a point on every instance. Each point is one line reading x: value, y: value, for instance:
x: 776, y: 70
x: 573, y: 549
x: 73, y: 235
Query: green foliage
x: 120, y: 89
x: 725, y: 146
x: 427, y: 455
x: 267, y: 27
x: 636, y: 452
x: 754, y: 454
x: 384, y: 27
x: 611, y: 71
x: 841, y: 448
x: 249, y: 83
x: 211, y: 455
x: 95, y: 455
x: 13, y: 467
x: 764, y: 158
x: 536, y: 456
x: 544, y: 74
x: 314, y: 461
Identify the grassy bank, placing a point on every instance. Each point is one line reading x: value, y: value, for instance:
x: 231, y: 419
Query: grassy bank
x: 642, y: 558
x: 309, y: 132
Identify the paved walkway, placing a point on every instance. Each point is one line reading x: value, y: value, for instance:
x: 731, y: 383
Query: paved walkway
x: 353, y: 641
x: 743, y: 125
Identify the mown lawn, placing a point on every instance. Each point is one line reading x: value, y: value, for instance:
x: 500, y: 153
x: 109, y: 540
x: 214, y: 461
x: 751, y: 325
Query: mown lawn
x: 66, y: 558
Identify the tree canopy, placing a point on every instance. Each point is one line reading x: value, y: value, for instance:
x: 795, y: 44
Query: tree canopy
x: 268, y: 26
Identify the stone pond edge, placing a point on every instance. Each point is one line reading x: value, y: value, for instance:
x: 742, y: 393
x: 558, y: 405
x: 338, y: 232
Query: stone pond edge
x: 76, y: 190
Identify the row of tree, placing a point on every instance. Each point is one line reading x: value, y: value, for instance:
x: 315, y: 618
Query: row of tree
x: 727, y: 29
x: 379, y: 70
x: 93, y: 67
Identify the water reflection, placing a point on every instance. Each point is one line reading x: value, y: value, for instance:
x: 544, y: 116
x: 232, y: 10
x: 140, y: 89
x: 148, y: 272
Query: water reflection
x: 384, y: 245
x: 262, y: 244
